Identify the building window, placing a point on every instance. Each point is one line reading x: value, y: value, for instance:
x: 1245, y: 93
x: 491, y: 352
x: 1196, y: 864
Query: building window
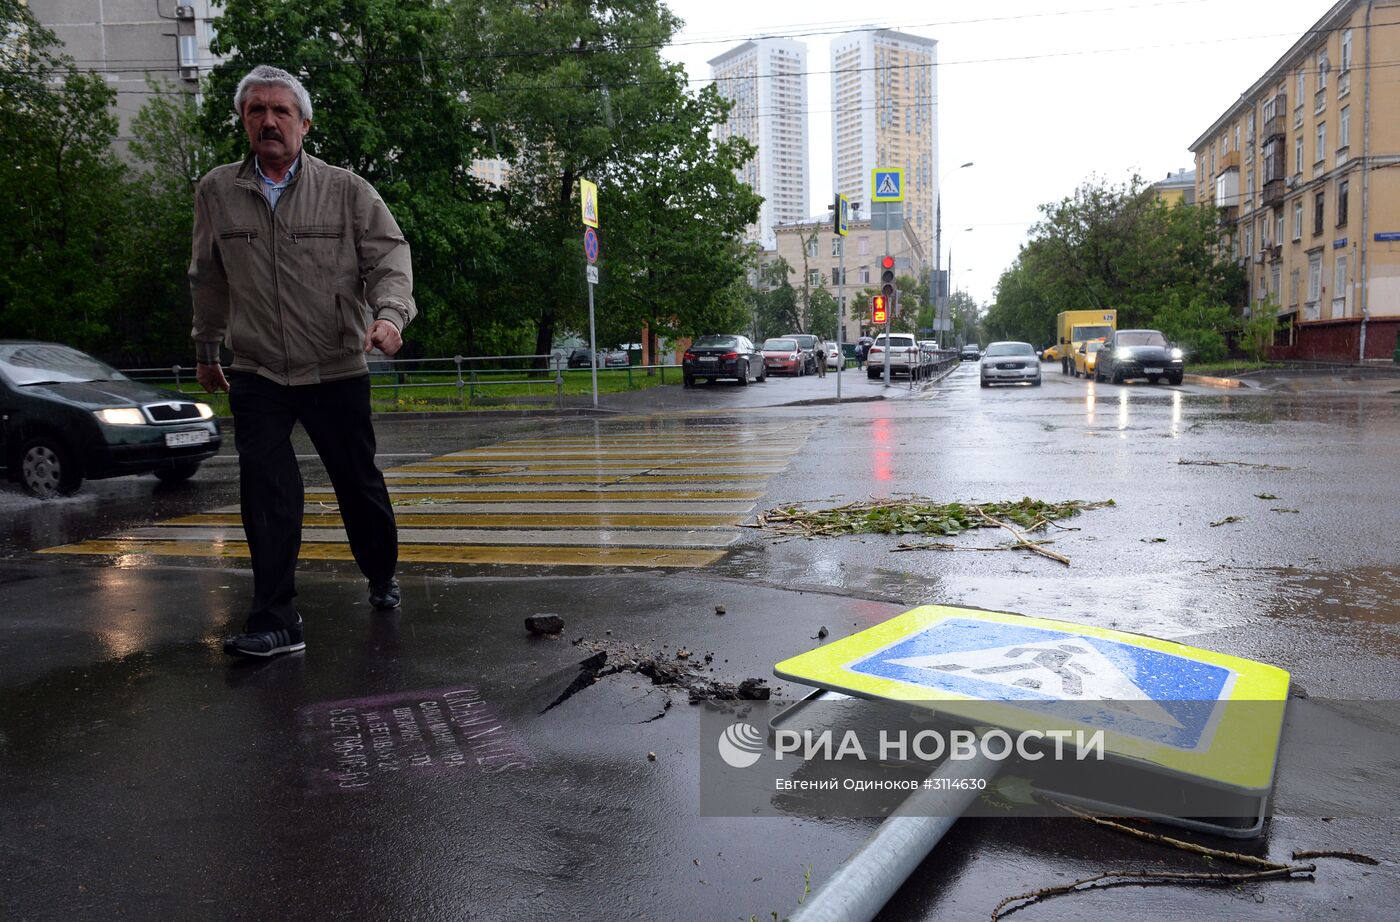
x: 812, y: 247
x: 1278, y: 227
x: 1298, y: 220
x: 1343, y: 188
x: 1344, y: 129
x: 863, y: 273
x: 814, y: 278
x: 1298, y: 154
x: 1319, y: 206
x: 1249, y: 239
x: 1314, y: 277
x: 1339, y: 288
x: 1321, y: 153
x: 1346, y: 51
x: 863, y: 246
x: 1294, y: 282
x: 836, y: 246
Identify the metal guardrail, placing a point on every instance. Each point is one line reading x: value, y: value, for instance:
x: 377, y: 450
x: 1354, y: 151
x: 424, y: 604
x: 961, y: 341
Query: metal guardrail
x: 471, y: 376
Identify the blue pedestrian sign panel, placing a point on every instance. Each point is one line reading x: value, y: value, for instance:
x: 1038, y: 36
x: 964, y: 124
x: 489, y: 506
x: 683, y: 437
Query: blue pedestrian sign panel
x: 1159, y: 702
x: 590, y: 245
x: 886, y: 185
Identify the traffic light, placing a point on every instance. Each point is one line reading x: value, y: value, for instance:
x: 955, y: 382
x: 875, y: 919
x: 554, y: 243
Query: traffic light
x: 877, y: 309
x: 887, y: 288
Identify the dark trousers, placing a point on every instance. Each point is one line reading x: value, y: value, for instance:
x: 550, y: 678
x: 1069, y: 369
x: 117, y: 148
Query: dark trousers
x: 336, y: 415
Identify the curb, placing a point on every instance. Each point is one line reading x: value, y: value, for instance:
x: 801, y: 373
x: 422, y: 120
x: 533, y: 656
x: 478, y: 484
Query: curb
x: 1214, y: 382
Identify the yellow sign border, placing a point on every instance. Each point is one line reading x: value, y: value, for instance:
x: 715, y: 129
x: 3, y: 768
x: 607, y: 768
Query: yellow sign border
x: 588, y: 191
x: 875, y: 195
x: 843, y: 211
x: 1242, y: 753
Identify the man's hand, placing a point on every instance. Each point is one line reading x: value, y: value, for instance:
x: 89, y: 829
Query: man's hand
x: 385, y: 336
x: 211, y: 377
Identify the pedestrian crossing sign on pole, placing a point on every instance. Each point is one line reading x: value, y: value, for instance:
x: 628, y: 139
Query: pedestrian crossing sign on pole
x: 1163, y: 706
x: 886, y: 185
x: 588, y: 196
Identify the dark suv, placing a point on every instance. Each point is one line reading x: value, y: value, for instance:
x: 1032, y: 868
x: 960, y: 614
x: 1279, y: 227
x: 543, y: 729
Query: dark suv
x: 1139, y: 354
x: 809, y: 345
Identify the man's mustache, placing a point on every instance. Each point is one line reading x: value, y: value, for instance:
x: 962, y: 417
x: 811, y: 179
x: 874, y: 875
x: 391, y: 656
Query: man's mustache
x: 269, y: 134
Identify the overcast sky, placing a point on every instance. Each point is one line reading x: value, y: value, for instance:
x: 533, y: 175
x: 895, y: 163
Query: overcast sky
x: 1039, y: 94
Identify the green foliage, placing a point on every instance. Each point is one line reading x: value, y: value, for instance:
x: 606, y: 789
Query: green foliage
x: 775, y: 302
x: 1120, y: 247
x: 1257, y: 332
x: 1196, y: 326
x: 821, y: 314
x: 61, y: 184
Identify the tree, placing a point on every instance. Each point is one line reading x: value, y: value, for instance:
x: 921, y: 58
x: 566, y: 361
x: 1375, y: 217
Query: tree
x: 1118, y: 247
x: 776, y: 305
x: 61, y: 184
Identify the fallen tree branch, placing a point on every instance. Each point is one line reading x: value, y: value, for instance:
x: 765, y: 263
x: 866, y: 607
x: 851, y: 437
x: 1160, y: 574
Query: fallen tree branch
x: 1236, y: 857
x: 1345, y: 856
x: 1122, y: 878
x: 1023, y: 542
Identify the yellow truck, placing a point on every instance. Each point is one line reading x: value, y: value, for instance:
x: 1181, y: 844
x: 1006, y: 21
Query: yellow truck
x: 1073, y: 329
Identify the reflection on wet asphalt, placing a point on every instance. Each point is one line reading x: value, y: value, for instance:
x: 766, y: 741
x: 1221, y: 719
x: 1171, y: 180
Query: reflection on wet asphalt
x: 145, y: 776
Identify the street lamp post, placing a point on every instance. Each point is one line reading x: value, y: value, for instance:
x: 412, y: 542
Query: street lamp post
x: 940, y: 302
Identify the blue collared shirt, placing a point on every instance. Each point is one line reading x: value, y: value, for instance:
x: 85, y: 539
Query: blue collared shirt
x: 273, y: 190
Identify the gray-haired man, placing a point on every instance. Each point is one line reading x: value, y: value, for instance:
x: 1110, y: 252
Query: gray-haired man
x: 300, y: 269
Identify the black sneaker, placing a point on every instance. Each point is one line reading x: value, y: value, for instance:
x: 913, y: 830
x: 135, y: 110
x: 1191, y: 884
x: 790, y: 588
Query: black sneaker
x: 384, y: 596
x: 265, y: 643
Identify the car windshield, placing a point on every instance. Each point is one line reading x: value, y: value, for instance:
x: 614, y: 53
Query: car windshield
x: 1094, y: 332
x: 47, y: 363
x: 716, y: 342
x: 1141, y: 338
x: 896, y: 340
x: 996, y: 349
x: 1093, y: 346
x: 780, y: 345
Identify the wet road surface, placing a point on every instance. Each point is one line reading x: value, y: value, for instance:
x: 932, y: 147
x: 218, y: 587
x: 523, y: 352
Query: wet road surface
x: 145, y: 776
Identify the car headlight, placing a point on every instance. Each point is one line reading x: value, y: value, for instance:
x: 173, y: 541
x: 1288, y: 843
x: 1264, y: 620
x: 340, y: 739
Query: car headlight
x: 1122, y: 354
x: 121, y: 416
x: 205, y: 410
x: 1177, y: 354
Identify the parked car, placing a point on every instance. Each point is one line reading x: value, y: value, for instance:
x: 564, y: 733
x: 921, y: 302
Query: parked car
x: 809, y: 345
x: 580, y: 358
x: 834, y: 358
x: 1009, y: 363
x: 1139, y: 354
x: 65, y: 416
x: 616, y: 358
x: 784, y: 356
x: 723, y: 356
x: 970, y: 352
x: 1085, y: 358
x: 903, y: 355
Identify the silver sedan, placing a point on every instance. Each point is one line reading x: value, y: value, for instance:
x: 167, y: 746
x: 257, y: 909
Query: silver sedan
x: 1009, y: 363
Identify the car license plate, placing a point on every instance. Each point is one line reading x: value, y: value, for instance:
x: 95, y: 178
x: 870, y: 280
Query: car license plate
x: 180, y: 439
x: 1152, y: 371
x: 708, y: 358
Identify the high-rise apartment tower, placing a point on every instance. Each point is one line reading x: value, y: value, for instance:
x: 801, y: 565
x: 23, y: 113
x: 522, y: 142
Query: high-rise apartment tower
x: 766, y: 80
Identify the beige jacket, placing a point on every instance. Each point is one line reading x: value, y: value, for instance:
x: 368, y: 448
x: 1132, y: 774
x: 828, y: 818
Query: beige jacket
x: 292, y: 291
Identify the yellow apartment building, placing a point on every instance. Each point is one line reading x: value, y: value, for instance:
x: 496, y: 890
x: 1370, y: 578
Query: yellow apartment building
x: 1178, y: 188
x: 813, y: 247
x: 1306, y: 167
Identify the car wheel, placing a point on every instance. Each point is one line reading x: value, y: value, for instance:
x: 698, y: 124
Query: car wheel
x: 762, y: 374
x: 871, y: 373
x: 984, y: 383
x: 1117, y: 376
x: 1035, y: 383
x: 743, y: 377
x: 48, y: 468
x: 1098, y: 375
x: 177, y: 473
x: 1174, y: 379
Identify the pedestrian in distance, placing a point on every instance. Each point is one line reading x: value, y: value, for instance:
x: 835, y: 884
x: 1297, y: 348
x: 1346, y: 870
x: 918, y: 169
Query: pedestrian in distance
x: 300, y: 268
x: 820, y: 351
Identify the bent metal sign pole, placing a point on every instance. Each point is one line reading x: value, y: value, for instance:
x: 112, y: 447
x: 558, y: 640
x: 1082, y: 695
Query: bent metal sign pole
x: 588, y: 203
x: 1171, y: 716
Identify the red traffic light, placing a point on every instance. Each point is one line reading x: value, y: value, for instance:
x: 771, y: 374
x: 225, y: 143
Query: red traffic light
x: 887, y: 262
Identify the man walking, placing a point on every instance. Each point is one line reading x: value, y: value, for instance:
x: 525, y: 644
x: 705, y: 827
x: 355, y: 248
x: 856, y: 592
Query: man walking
x: 300, y: 268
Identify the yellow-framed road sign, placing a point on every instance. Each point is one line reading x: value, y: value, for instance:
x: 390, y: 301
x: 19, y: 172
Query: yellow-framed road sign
x: 1163, y: 705
x: 588, y: 202
x: 886, y: 185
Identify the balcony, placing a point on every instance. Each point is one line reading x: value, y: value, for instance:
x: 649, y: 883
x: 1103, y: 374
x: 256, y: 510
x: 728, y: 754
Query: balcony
x: 1230, y: 161
x: 1276, y: 127
x: 1229, y: 214
x: 1275, y: 190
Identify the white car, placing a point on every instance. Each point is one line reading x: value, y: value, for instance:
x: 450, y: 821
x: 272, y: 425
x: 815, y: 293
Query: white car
x: 903, y: 355
x: 834, y: 358
x: 1010, y: 363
